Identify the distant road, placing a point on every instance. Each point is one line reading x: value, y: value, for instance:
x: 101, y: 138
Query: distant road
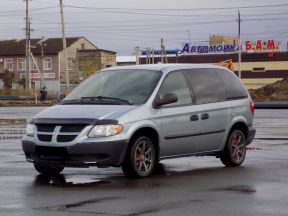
x: 19, y: 112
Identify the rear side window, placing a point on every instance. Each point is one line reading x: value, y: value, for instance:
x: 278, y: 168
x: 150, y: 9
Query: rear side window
x: 207, y: 86
x: 175, y: 82
x: 234, y: 89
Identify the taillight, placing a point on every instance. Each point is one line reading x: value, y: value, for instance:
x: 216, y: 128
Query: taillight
x: 252, y: 107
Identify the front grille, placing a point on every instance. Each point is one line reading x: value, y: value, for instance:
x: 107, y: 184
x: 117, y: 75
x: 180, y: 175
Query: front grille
x: 66, y: 138
x: 72, y: 128
x: 58, y: 133
x: 45, y: 127
x: 45, y: 138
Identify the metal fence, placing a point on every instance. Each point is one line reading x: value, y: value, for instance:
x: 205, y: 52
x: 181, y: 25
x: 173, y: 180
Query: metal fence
x: 11, y: 133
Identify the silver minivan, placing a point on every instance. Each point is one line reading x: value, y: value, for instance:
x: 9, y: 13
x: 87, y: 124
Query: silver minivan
x: 135, y: 116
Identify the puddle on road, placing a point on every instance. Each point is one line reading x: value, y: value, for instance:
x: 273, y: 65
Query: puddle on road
x: 68, y: 181
x: 248, y: 189
x: 63, y: 207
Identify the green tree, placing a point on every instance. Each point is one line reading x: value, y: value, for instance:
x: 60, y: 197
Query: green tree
x: 7, y: 79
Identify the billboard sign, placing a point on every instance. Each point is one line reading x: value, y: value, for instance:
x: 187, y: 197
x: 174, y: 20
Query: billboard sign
x: 248, y: 46
x: 262, y: 46
x: 227, y: 48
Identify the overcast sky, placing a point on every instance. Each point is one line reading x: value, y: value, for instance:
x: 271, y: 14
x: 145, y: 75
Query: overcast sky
x: 121, y: 25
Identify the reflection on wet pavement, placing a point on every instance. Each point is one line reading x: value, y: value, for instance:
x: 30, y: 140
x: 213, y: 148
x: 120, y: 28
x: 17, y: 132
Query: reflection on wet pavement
x: 239, y: 188
x: 68, y: 181
x: 77, y: 204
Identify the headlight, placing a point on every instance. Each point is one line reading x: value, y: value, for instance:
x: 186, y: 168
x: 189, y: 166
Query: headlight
x: 105, y: 130
x: 30, y: 128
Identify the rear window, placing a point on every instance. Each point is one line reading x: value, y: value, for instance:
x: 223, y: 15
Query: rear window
x: 234, y: 89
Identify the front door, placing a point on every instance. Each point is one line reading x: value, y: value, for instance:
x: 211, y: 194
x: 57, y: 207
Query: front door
x: 176, y: 121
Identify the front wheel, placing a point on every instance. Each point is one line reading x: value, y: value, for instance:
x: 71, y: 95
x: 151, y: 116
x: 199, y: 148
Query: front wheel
x: 47, y: 170
x: 140, y: 158
x: 235, y: 150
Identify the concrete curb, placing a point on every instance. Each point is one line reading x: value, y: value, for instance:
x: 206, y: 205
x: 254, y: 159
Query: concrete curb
x: 13, y: 121
x: 271, y: 105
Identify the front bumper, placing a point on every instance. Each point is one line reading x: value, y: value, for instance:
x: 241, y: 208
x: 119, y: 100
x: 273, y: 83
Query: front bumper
x: 78, y: 155
x: 251, y: 134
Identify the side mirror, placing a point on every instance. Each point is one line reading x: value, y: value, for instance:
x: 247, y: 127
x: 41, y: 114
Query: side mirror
x: 167, y: 99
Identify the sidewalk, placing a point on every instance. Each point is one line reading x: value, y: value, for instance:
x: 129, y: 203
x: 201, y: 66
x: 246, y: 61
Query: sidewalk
x: 25, y: 103
x: 13, y: 121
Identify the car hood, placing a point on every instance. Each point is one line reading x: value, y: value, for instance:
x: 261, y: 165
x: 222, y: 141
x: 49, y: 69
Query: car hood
x: 84, y: 112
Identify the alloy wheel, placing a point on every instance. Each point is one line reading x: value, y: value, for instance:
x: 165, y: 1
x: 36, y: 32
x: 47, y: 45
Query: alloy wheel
x: 238, y: 147
x: 144, y: 157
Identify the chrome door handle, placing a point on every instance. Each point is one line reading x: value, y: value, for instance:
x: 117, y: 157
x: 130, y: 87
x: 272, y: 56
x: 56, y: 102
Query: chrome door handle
x: 204, y: 116
x: 194, y: 118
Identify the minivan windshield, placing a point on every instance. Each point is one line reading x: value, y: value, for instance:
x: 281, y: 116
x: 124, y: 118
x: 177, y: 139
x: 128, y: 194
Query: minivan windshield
x: 115, y: 87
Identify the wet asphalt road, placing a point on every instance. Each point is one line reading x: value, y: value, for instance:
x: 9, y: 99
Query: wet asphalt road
x: 189, y: 186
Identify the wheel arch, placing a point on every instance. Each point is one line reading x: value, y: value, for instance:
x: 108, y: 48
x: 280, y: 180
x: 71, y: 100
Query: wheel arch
x: 151, y: 133
x: 240, y: 126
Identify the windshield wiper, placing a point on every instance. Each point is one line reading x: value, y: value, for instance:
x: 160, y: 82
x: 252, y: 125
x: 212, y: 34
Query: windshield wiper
x: 104, y: 98
x: 74, y: 101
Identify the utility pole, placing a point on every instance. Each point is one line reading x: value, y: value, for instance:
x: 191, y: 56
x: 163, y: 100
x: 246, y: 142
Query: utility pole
x: 42, y: 82
x: 162, y: 51
x: 189, y: 37
x: 153, y: 56
x: 137, y: 50
x: 37, y: 68
x: 64, y: 48
x: 27, y: 48
x: 166, y: 59
x: 239, y: 45
x: 149, y: 55
x: 146, y: 62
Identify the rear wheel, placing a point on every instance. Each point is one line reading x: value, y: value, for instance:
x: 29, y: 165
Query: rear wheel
x: 48, y: 170
x: 140, y: 158
x: 235, y: 150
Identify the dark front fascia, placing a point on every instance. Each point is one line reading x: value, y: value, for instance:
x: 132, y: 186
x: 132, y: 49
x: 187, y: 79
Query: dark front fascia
x: 78, y: 155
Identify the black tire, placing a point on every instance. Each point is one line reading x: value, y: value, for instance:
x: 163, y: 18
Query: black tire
x: 47, y: 170
x: 140, y: 158
x: 235, y: 149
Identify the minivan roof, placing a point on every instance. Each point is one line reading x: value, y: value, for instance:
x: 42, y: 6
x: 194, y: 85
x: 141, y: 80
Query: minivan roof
x: 164, y: 67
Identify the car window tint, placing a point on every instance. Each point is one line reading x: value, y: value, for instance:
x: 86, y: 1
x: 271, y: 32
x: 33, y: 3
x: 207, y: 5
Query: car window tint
x: 175, y: 82
x: 206, y: 85
x: 233, y: 87
x: 135, y: 85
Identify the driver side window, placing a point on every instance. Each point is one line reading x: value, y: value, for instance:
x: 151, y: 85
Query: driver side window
x: 175, y: 82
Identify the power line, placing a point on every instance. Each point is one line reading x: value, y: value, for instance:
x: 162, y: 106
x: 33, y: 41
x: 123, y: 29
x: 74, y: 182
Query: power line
x: 136, y: 11
x: 181, y: 9
x: 34, y: 9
